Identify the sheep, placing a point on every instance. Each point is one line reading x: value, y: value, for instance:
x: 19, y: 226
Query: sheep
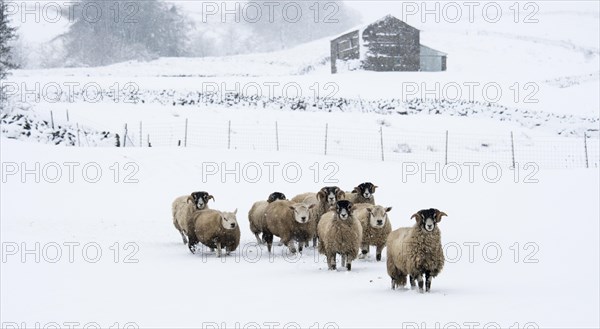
x: 416, y: 251
x: 184, y: 206
x: 327, y: 197
x: 340, y: 233
x: 256, y: 215
x: 375, y: 227
x: 215, y: 229
x: 289, y: 221
x: 363, y: 193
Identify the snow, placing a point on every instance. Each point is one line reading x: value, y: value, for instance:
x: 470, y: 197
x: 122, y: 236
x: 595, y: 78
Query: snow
x: 521, y: 60
x: 170, y: 287
x: 522, y: 247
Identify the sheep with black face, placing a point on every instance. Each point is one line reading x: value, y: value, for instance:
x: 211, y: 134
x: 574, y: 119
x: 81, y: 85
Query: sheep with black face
x: 363, y: 193
x: 256, y: 215
x: 323, y: 200
x: 339, y: 233
x: 184, y: 206
x: 416, y: 251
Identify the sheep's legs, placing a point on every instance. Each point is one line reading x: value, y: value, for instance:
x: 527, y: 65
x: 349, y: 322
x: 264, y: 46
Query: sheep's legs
x: 364, y: 250
x: 331, y: 262
x: 258, y: 240
x: 301, y: 245
x: 291, y: 246
x: 192, y: 244
x: 427, y: 281
x: 348, y: 263
x: 343, y: 260
x: 315, y: 242
x: 420, y: 282
x: 378, y: 253
x: 185, y: 240
x: 269, y: 240
x: 218, y: 249
x: 412, y: 282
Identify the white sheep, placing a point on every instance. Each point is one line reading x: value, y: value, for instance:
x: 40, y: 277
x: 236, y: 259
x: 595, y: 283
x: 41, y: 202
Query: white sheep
x: 289, y: 221
x: 216, y: 230
x: 340, y: 233
x: 323, y: 200
x: 256, y: 215
x: 416, y: 251
x: 184, y: 206
x: 376, y: 227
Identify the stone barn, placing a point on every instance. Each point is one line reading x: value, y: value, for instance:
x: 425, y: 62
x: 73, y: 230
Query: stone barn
x: 387, y: 44
x: 432, y: 60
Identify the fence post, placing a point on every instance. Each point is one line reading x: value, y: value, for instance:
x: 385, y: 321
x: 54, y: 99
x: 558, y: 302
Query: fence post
x: 446, y: 156
x: 277, y: 135
x: 512, y: 148
x: 52, y: 119
x: 229, y: 136
x: 381, y: 137
x: 186, y: 130
x: 141, y: 145
x: 587, y: 164
x: 125, y: 136
x: 326, y: 130
x: 78, y: 138
x: 67, y: 115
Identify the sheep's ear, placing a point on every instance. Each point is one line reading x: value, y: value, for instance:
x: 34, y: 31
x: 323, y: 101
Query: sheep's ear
x: 439, y: 215
x: 356, y: 190
x: 311, y: 206
x: 370, y: 210
x: 235, y: 211
x: 417, y: 216
x: 292, y: 207
x: 388, y: 209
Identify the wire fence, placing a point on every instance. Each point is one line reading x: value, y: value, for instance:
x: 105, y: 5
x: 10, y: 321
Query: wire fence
x: 383, y: 144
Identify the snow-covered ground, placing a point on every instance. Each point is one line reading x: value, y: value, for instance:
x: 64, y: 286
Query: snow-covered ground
x: 533, y: 262
x: 87, y: 235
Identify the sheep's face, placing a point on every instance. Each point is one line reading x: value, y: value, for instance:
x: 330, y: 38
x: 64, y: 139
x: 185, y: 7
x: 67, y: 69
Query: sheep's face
x: 378, y: 216
x: 201, y: 199
x: 276, y: 196
x: 344, y: 209
x: 365, y: 189
x: 228, y: 220
x: 428, y: 218
x: 331, y: 194
x: 301, y: 212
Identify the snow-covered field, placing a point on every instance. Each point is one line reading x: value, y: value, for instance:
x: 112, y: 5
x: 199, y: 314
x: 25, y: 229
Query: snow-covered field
x: 534, y: 256
x: 87, y: 233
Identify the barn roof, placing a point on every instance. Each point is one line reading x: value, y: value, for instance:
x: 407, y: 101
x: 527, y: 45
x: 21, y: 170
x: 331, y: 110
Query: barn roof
x: 432, y: 52
x: 362, y: 27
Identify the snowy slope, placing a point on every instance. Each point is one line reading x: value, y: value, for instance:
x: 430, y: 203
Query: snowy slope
x: 170, y: 287
x: 551, y: 66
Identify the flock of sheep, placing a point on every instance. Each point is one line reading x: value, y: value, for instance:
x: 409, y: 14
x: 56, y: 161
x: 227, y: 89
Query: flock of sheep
x: 338, y: 222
